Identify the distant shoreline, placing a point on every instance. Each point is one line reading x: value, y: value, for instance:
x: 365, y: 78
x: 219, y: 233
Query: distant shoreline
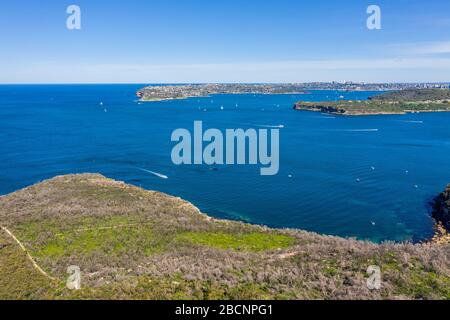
x: 388, y: 103
x: 359, y: 114
x: 184, y: 91
x: 210, y: 96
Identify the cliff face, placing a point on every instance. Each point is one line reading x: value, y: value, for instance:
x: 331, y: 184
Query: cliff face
x: 442, y: 208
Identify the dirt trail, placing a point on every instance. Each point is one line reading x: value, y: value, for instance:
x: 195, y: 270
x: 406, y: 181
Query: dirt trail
x: 35, y: 265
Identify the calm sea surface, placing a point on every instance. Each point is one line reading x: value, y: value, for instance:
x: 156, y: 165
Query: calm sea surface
x: 52, y: 130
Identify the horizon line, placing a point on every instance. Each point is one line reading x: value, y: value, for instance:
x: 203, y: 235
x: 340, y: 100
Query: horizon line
x: 200, y: 83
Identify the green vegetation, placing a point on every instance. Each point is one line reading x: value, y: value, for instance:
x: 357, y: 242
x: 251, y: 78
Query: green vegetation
x: 135, y: 244
x: 18, y: 278
x: 111, y: 236
x: 414, y: 95
x: 423, y: 100
x: 171, y: 92
x: 255, y: 241
x: 116, y: 236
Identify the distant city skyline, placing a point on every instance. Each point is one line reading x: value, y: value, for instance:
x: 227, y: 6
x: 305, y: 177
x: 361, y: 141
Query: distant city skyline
x: 202, y: 41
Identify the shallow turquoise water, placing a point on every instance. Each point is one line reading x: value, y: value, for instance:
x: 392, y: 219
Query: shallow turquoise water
x: 52, y: 130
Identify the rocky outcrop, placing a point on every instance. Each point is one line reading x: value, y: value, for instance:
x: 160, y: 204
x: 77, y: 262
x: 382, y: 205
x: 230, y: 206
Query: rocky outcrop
x: 319, y: 108
x: 441, y: 212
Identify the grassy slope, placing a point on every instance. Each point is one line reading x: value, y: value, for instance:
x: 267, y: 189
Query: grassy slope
x: 132, y: 243
x: 422, y: 100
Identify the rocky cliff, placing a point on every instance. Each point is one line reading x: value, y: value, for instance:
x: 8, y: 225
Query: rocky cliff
x: 442, y: 208
x: 318, y: 107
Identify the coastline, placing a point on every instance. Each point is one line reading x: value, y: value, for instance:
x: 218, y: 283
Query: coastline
x: 211, y: 95
x: 358, y: 114
x: 170, y: 99
x: 395, y: 113
x: 441, y: 215
x: 388, y: 103
x: 440, y: 236
x: 172, y: 92
x: 133, y: 243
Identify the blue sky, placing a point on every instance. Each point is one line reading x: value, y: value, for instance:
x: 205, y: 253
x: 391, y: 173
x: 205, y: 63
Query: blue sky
x: 169, y: 41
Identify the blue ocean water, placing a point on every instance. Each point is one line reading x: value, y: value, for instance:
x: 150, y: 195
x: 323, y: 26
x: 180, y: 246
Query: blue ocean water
x: 48, y: 130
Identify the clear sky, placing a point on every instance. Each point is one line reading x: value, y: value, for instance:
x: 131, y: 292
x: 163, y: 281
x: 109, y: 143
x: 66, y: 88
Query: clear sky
x: 168, y: 41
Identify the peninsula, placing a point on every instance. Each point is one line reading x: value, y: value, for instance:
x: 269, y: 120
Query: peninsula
x: 130, y: 243
x: 171, y: 92
x: 397, y: 102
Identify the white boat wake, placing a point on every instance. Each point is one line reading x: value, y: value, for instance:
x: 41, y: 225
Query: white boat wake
x: 280, y: 126
x: 159, y: 175
x: 359, y: 130
x: 411, y: 121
